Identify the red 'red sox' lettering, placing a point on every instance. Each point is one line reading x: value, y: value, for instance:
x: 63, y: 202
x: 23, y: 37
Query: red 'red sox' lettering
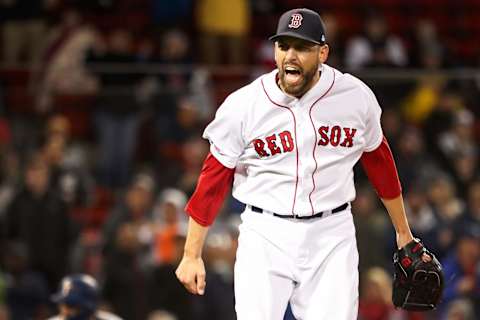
x: 336, y: 136
x: 258, y: 144
x: 349, y: 134
x: 287, y: 141
x: 272, y: 143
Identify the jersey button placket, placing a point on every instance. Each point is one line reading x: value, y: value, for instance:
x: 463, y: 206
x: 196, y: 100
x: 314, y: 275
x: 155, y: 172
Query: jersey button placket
x: 308, y: 166
x: 295, y: 106
x: 299, y: 114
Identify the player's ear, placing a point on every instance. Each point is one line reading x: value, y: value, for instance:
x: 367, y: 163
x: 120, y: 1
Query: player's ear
x: 275, y: 49
x: 323, y: 53
x: 276, y: 54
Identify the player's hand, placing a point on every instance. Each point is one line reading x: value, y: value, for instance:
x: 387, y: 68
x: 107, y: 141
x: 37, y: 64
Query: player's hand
x: 191, y: 273
x: 403, y: 239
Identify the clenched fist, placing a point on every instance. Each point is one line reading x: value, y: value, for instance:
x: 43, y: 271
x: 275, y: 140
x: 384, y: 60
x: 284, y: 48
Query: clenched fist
x: 191, y: 273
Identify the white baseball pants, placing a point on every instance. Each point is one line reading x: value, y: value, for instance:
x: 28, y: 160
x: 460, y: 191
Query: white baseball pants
x: 311, y: 263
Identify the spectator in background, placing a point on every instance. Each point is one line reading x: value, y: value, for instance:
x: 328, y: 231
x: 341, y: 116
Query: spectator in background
x: 68, y: 163
x: 375, y: 295
x: 372, y: 227
x: 335, y: 40
x: 27, y: 292
x: 265, y: 17
x: 459, y: 139
x: 376, y: 47
x: 218, y: 303
x: 392, y: 125
x: 462, y: 270
x: 425, y: 98
x: 413, y: 163
x: 128, y: 236
x: 187, y: 120
x: 23, y: 30
x: 427, y: 51
x: 63, y: 69
x: 175, y: 50
x: 182, y: 80
x: 264, y: 56
x: 223, y: 27
x: 459, y: 149
x: 220, y: 252
x: 441, y: 116
x: 38, y: 218
x: 419, y: 212
x: 183, y: 154
x: 460, y: 309
x: 178, y: 85
x: 194, y: 151
x: 447, y: 208
x: 166, y: 293
x: 466, y: 170
x: 170, y: 219
x: 173, y: 86
x: 117, y: 116
x: 470, y: 218
x: 440, y: 120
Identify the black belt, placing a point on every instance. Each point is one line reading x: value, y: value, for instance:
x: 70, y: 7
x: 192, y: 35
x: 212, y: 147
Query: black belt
x: 316, y: 215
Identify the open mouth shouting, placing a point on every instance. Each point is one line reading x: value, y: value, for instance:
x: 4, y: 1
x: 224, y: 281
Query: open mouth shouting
x: 293, y: 75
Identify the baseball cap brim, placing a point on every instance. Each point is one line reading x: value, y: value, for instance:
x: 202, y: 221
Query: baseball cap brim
x: 293, y: 35
x: 60, y: 298
x: 72, y: 300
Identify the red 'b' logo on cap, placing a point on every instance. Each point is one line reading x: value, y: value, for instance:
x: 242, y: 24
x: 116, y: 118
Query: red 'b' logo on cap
x: 296, y: 21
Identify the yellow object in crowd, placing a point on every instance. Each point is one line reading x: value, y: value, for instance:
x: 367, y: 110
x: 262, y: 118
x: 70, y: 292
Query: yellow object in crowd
x: 231, y: 18
x: 418, y: 105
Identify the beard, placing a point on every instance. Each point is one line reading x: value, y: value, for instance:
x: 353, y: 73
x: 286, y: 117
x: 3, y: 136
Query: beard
x: 302, y: 86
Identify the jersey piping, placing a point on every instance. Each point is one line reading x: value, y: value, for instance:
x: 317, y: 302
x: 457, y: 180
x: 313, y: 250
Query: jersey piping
x: 315, y: 146
x: 296, y: 145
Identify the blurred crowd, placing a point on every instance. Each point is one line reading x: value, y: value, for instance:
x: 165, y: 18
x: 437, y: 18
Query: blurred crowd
x: 102, y: 107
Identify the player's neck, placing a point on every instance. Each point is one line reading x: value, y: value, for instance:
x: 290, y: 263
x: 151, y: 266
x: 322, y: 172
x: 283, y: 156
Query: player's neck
x: 313, y: 82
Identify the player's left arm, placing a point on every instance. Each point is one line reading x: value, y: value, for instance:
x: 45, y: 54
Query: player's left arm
x: 412, y: 258
x: 396, y: 211
x: 380, y: 168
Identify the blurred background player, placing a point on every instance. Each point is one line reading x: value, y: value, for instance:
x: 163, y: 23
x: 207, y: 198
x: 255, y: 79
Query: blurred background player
x: 78, y: 299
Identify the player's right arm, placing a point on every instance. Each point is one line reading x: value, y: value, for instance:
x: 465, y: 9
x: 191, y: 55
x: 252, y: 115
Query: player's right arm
x: 213, y: 185
x: 226, y: 145
x: 191, y: 270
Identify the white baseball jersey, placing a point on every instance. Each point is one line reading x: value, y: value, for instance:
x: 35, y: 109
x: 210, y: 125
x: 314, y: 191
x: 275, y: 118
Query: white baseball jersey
x: 296, y: 156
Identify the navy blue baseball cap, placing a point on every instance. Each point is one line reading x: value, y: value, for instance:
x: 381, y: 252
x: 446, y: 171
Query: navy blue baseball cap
x: 79, y: 290
x: 301, y: 23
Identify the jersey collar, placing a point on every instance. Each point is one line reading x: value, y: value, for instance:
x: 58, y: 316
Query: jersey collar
x: 319, y: 89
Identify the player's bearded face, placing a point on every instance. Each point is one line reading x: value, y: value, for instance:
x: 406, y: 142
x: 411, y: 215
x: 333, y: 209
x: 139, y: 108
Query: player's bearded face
x: 297, y: 81
x: 298, y: 62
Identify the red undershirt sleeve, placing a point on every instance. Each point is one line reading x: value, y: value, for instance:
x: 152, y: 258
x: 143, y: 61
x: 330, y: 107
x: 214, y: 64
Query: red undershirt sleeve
x: 213, y: 184
x: 381, y: 171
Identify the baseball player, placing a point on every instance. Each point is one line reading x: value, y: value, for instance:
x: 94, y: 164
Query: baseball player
x: 288, y: 141
x: 78, y: 299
